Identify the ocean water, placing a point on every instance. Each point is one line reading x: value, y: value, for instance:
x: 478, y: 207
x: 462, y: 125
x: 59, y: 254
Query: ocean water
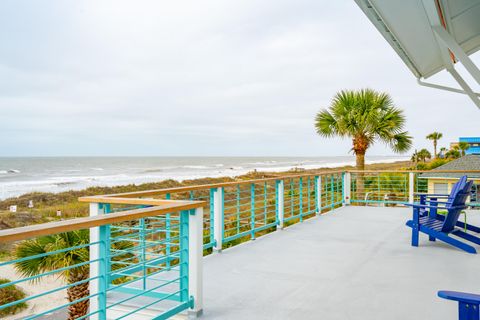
x: 56, y: 174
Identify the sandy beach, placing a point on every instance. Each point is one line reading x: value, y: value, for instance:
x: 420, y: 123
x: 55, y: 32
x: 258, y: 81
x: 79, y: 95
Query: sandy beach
x: 42, y: 303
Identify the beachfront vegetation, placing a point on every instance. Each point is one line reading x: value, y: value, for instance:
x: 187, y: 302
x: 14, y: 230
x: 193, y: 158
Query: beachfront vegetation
x: 434, y: 136
x: 75, y: 272
x: 49, y: 262
x: 432, y: 164
x: 463, y: 147
x: 423, y: 155
x: 10, y: 294
x: 365, y: 116
x: 453, y: 154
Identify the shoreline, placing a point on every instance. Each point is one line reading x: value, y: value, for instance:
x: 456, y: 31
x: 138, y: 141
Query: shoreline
x: 46, y: 204
x: 73, y: 174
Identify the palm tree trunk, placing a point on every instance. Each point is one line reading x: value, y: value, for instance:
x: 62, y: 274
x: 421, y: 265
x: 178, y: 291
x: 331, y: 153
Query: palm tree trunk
x: 77, y: 292
x: 434, y: 149
x: 360, y: 162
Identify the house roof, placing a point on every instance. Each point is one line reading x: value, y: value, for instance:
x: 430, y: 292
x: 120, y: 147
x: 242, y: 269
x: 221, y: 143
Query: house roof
x: 407, y: 27
x: 465, y: 163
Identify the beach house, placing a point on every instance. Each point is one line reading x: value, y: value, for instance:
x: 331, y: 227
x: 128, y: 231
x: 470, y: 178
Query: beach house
x: 439, y: 181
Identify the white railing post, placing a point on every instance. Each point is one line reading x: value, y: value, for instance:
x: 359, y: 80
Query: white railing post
x: 318, y: 194
x: 347, y: 188
x: 279, y: 203
x: 218, y: 218
x: 98, y: 267
x: 195, y: 256
x: 411, y: 186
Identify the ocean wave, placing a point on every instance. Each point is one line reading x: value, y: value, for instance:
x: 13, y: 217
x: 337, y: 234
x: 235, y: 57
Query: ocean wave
x: 153, y: 170
x: 9, y: 171
x: 97, y: 169
x: 195, y: 167
x: 262, y: 163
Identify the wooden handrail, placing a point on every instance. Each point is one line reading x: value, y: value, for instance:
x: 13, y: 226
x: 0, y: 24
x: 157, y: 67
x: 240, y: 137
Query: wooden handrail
x: 50, y: 228
x: 137, y: 201
x: 157, y: 192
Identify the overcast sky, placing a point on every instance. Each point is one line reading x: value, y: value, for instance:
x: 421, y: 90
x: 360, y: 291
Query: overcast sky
x: 210, y: 77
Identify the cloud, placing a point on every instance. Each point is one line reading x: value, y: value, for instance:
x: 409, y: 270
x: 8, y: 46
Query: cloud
x: 197, y: 78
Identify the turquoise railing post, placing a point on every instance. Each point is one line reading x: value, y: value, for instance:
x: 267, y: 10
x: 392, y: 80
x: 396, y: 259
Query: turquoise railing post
x: 252, y: 210
x: 103, y: 271
x: 98, y: 269
x: 318, y: 194
x: 218, y: 217
x: 332, y: 192
x: 378, y: 188
x: 183, y: 263
x: 195, y: 260
x: 107, y: 209
x: 309, y: 196
x: 347, y: 187
x: 300, y: 198
x: 265, y: 202
x: 238, y: 209
x: 292, y: 198
x: 167, y: 235
x: 143, y: 252
x: 279, y: 205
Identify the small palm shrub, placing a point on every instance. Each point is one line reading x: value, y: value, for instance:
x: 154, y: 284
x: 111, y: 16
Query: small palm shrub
x: 10, y: 294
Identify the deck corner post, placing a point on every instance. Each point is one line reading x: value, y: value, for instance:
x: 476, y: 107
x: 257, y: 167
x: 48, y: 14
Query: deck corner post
x: 98, y: 269
x: 318, y: 194
x: 195, y: 260
x: 347, y: 188
x: 218, y: 219
x: 279, y: 190
x: 411, y: 187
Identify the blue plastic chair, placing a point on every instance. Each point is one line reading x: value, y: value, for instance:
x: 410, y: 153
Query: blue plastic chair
x: 430, y: 223
x: 468, y: 303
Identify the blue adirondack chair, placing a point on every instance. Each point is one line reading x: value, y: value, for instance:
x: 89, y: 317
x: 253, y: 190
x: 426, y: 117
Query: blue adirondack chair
x: 429, y: 222
x: 468, y: 303
x: 433, y: 200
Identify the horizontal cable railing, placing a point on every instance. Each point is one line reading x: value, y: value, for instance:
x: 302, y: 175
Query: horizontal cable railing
x: 117, y: 258
x: 251, y: 208
x: 393, y: 188
x: 390, y: 188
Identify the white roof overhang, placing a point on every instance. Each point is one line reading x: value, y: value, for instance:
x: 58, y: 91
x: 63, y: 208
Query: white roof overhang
x: 430, y: 35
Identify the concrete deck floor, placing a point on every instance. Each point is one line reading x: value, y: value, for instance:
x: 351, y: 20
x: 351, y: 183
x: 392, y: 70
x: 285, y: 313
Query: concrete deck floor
x: 352, y: 263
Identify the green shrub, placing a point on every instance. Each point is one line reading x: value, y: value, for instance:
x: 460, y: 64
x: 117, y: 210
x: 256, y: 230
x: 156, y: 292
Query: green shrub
x: 9, y: 294
x: 422, y: 166
x: 437, y: 163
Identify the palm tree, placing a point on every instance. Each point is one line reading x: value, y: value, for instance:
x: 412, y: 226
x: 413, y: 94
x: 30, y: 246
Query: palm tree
x: 365, y: 116
x: 443, y: 151
x: 453, y: 153
x: 424, y: 154
x: 434, y: 136
x: 463, y: 147
x: 43, y: 262
x: 414, y: 158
